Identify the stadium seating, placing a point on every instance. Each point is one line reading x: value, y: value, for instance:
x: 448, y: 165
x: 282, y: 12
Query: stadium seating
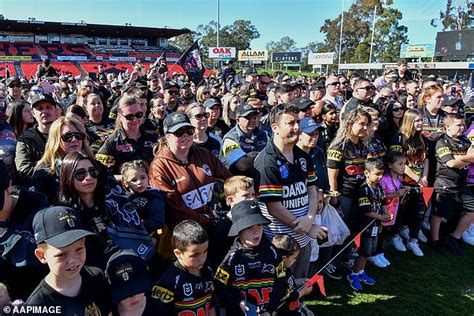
x: 3, y: 68
x: 55, y: 49
x: 30, y: 68
x: 19, y: 49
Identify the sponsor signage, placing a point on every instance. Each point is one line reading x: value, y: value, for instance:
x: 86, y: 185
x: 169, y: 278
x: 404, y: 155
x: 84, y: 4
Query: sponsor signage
x: 249, y: 55
x: 287, y: 57
x: 417, y: 50
x: 15, y: 57
x: 122, y: 58
x: 72, y: 58
x: 222, y: 52
x: 321, y: 58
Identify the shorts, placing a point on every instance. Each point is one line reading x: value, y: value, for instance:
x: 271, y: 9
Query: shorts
x: 368, y: 246
x: 448, y: 205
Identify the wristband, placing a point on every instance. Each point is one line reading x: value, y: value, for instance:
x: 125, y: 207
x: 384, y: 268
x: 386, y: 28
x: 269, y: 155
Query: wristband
x: 334, y: 193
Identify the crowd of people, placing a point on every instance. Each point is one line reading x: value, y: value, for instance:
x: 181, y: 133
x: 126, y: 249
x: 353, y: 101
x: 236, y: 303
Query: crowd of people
x: 144, y: 192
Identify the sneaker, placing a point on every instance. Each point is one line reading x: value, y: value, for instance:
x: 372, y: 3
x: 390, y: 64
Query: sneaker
x: 364, y: 278
x: 384, y: 260
x: 377, y: 261
x: 422, y: 237
x: 415, y: 248
x: 349, y: 264
x: 331, y: 272
x: 354, y: 254
x: 439, y: 247
x: 354, y: 281
x: 398, y: 243
x: 454, y: 246
x: 405, y: 233
x: 468, y: 239
x: 305, y: 310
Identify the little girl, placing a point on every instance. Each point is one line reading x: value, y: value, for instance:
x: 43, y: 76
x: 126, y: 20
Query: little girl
x: 393, y: 189
x: 149, y: 201
x: 289, y: 250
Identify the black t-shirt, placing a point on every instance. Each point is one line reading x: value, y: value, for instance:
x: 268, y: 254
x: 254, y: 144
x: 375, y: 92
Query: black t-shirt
x: 213, y: 145
x: 219, y: 129
x: 349, y: 158
x: 369, y: 199
x: 93, y: 298
x: 446, y: 149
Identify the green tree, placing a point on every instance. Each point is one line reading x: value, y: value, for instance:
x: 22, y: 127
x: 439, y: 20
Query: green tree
x: 239, y: 35
x: 183, y: 42
x: 285, y: 44
x: 455, y: 17
x: 357, y: 32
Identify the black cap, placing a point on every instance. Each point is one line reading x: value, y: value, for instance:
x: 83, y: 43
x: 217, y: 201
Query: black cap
x: 209, y: 103
x: 317, y: 86
x: 71, y: 79
x: 449, y: 100
x: 4, y: 182
x: 175, y: 121
x: 249, y: 71
x: 303, y: 103
x: 245, y: 110
x: 63, y: 78
x: 42, y: 97
x: 273, y: 87
x: 13, y: 79
x: 244, y: 215
x: 170, y: 85
x: 58, y: 226
x: 127, y: 275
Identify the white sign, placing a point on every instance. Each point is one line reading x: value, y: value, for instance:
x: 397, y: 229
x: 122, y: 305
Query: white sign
x: 122, y: 58
x: 321, y: 58
x: 222, y: 52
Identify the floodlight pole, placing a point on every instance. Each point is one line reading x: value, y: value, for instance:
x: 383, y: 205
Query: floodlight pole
x: 218, y: 19
x: 372, y: 40
x: 340, y: 37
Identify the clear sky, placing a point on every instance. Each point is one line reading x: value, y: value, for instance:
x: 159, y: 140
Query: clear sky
x: 299, y: 19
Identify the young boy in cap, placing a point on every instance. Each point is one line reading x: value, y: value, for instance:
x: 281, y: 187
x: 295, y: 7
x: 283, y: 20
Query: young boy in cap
x: 78, y: 290
x: 187, y: 287
x: 251, y: 277
x: 129, y: 280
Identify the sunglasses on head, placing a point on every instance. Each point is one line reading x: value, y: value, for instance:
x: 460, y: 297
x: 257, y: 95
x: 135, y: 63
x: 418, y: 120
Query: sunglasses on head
x: 201, y: 115
x: 180, y: 132
x: 130, y: 117
x: 81, y: 174
x: 68, y: 137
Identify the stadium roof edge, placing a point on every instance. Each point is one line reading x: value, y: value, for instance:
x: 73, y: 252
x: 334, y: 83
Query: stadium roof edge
x: 96, y: 30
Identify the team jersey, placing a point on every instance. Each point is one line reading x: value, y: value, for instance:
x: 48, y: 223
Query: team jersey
x: 179, y: 292
x: 254, y: 275
x: 447, y: 148
x: 349, y: 158
x: 370, y: 199
x: 376, y: 149
x: 417, y: 166
x: 279, y: 180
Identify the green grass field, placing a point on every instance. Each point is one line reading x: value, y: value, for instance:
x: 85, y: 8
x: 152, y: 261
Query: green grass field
x: 430, y: 285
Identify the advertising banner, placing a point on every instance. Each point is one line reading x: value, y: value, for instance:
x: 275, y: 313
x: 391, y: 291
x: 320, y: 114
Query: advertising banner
x: 222, y: 52
x: 287, y: 57
x: 321, y: 58
x: 417, y: 50
x: 249, y: 55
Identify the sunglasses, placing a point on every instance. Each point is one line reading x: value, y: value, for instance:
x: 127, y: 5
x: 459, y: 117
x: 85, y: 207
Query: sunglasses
x: 345, y: 82
x: 206, y: 92
x: 68, y: 137
x: 173, y: 91
x: 397, y: 109
x: 130, y: 117
x: 81, y: 174
x: 306, y: 109
x: 265, y: 83
x: 201, y: 115
x: 180, y: 132
x: 334, y: 84
x: 368, y: 88
x: 15, y: 86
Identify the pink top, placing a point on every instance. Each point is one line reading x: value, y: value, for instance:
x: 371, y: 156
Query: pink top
x: 391, y: 186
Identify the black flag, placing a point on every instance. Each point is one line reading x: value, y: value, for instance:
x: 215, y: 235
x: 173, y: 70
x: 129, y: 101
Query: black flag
x: 192, y: 64
x: 160, y: 63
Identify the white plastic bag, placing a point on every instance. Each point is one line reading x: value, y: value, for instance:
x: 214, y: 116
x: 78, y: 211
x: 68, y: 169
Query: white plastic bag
x: 337, y: 229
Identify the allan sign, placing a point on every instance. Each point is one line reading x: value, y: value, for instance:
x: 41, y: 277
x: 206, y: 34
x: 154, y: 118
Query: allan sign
x: 222, y: 52
x: 321, y: 58
x: 245, y: 55
x: 293, y: 57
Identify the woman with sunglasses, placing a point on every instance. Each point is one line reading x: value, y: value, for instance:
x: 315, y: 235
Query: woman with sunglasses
x: 129, y: 141
x: 187, y: 174
x: 198, y: 116
x: 391, y: 124
x: 66, y: 135
x: 98, y: 123
x: 203, y: 93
